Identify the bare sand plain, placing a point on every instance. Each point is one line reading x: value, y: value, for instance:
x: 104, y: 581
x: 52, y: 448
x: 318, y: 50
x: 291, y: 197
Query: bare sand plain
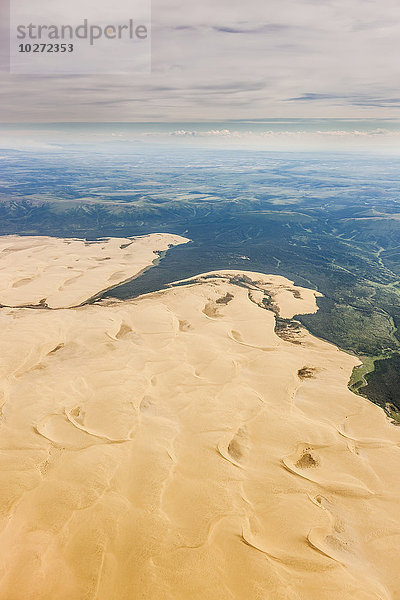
x: 174, y: 447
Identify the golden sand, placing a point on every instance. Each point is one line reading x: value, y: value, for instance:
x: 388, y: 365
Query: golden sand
x: 66, y: 272
x: 174, y: 447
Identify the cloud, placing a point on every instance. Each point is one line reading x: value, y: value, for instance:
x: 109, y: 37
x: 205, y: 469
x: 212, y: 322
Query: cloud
x: 232, y: 60
x: 250, y: 30
x: 301, y: 133
x: 210, y: 133
x: 355, y: 100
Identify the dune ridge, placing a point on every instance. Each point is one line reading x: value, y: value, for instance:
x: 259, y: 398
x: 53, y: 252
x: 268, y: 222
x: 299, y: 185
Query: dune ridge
x: 178, y: 446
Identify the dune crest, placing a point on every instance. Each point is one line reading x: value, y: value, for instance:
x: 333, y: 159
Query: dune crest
x: 175, y: 446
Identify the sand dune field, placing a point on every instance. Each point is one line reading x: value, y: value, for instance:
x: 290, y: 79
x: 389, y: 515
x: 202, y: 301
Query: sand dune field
x: 177, y: 447
x: 61, y: 273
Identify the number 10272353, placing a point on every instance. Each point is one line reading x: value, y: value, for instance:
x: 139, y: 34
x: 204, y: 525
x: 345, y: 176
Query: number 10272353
x: 46, y: 48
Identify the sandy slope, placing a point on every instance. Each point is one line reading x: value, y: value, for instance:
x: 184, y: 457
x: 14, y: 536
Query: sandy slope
x: 175, y: 448
x: 66, y: 272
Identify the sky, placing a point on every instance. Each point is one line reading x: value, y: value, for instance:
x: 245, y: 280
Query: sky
x: 230, y: 59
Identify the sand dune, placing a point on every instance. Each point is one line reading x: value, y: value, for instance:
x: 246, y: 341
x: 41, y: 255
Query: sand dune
x: 176, y: 447
x: 61, y: 273
x: 269, y: 291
